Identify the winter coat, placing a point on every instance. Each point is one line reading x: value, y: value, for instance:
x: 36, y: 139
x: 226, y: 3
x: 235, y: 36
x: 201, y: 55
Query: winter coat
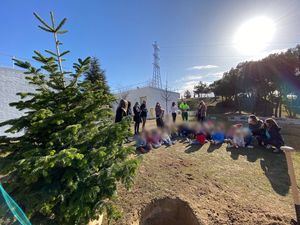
x: 120, y: 113
x: 137, y: 114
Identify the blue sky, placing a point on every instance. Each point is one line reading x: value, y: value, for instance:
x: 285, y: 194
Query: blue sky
x: 195, y: 36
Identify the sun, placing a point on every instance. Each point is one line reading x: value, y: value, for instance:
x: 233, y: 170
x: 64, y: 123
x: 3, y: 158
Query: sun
x: 254, y: 35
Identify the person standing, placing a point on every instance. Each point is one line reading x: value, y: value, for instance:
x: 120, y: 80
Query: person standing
x: 136, y: 117
x: 159, y: 112
x: 121, y: 111
x: 129, y: 111
x: 144, y: 113
x: 201, y: 113
x: 184, y: 110
x: 174, y: 110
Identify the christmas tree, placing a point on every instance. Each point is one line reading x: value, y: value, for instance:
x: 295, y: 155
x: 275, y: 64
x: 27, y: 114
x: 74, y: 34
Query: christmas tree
x: 69, y: 157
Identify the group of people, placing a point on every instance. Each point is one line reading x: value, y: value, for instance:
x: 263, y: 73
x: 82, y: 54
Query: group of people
x: 138, y: 112
x: 266, y: 133
x: 183, y: 109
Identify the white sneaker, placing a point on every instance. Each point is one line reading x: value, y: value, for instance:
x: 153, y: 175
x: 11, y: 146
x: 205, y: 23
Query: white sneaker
x: 269, y: 147
x: 250, y: 146
x: 229, y: 145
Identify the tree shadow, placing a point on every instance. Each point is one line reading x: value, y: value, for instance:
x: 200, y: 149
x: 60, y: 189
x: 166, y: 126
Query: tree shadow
x: 274, y: 166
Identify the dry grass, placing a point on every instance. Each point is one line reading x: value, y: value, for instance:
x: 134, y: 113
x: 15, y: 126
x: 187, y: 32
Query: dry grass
x: 222, y: 186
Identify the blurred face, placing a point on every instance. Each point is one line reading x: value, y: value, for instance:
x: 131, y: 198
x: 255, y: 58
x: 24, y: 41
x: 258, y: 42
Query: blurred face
x: 251, y: 121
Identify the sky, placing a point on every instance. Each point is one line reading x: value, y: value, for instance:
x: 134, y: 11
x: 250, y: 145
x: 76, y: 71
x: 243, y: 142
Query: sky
x: 196, y: 37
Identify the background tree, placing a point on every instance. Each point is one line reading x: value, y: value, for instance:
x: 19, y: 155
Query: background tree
x: 200, y: 89
x: 166, y: 96
x: 187, y: 94
x: 263, y: 86
x: 69, y: 157
x: 95, y: 73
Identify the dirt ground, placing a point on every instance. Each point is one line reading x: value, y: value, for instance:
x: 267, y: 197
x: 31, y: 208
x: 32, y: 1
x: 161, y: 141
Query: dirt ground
x: 221, y: 186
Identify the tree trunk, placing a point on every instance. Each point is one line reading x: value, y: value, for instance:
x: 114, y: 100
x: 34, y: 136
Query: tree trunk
x: 237, y: 102
x: 280, y: 106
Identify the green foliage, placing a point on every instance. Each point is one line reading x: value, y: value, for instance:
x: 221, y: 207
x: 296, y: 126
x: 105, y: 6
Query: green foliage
x: 70, y: 157
x: 269, y: 80
x: 95, y: 73
x: 201, y: 88
x: 187, y: 94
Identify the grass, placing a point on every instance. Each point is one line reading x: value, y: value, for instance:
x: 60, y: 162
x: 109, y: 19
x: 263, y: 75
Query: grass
x: 222, y: 186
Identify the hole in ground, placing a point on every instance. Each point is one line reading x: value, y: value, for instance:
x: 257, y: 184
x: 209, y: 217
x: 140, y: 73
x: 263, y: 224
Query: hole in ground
x: 168, y: 211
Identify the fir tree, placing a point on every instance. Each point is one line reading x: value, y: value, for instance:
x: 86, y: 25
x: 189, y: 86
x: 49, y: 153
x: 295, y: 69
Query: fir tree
x: 66, y: 163
x: 95, y: 73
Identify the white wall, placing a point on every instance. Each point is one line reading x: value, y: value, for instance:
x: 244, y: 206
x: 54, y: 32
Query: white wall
x: 152, y: 95
x: 12, y: 81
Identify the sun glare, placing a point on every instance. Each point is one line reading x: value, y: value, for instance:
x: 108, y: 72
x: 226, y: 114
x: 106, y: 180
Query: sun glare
x: 254, y: 35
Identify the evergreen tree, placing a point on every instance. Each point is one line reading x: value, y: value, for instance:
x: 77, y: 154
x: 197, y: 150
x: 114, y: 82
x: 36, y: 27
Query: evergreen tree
x: 187, y: 94
x: 95, y: 73
x: 69, y: 157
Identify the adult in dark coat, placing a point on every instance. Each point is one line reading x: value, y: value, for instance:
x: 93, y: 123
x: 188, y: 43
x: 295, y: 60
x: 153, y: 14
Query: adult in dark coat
x: 273, y: 136
x: 136, y: 117
x: 159, y: 112
x: 257, y: 128
x: 121, y: 111
x: 201, y: 113
x: 129, y: 111
x: 144, y: 112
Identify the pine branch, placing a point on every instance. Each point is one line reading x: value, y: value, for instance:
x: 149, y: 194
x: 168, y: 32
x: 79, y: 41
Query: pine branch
x: 42, y: 21
x: 61, y: 24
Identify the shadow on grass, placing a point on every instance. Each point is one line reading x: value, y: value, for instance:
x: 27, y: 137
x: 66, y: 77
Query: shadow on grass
x: 193, y: 148
x: 213, y: 148
x: 273, y: 165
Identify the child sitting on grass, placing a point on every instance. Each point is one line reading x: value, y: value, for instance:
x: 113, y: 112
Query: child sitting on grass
x: 154, y: 138
x: 235, y: 136
x: 166, y: 137
x: 141, y: 143
x: 218, y: 136
x: 238, y: 139
x: 273, y: 136
x: 184, y: 130
x: 200, y: 137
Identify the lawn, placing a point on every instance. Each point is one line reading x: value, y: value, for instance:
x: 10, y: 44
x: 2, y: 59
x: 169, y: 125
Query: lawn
x: 222, y: 186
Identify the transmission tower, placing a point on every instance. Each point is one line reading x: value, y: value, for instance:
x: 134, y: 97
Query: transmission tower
x: 156, y: 79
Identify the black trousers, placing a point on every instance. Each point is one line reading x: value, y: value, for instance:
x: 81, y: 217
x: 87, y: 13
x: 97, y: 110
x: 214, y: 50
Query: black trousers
x: 201, y: 119
x: 159, y: 122
x: 174, y: 117
x: 136, y: 127
x: 185, y: 116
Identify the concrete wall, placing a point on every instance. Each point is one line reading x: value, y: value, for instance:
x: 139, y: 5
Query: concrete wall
x: 151, y: 95
x: 12, y: 81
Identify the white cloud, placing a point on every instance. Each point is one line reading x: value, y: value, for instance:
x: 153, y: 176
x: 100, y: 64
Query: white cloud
x: 202, y: 67
x: 189, y: 81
